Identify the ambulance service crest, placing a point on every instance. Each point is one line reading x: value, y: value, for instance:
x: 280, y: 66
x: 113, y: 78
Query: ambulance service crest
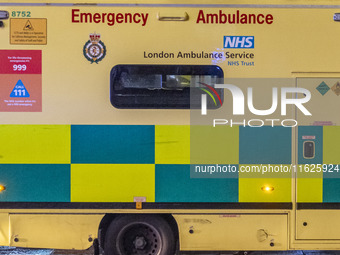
x: 94, y: 49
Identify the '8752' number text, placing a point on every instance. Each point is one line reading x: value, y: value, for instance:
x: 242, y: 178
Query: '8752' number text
x: 21, y: 14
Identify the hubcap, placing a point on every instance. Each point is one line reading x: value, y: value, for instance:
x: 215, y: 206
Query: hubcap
x: 139, y: 242
x: 139, y: 239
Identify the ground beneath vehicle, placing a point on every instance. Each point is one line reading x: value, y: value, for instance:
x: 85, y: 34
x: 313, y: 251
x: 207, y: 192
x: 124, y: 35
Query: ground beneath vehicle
x: 20, y: 251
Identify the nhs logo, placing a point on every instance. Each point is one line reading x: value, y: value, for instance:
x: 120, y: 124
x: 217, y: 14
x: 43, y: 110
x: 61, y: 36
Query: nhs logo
x: 237, y: 42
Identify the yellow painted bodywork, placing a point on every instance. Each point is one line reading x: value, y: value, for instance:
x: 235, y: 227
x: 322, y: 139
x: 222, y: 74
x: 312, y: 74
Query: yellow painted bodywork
x: 208, y: 145
x: 46, y: 143
x: 331, y: 140
x: 58, y: 231
x: 232, y: 232
x: 309, y: 190
x: 172, y: 144
x: 250, y: 190
x: 103, y: 181
x: 4, y: 229
x: 319, y: 224
x: 309, y: 186
x: 253, y: 179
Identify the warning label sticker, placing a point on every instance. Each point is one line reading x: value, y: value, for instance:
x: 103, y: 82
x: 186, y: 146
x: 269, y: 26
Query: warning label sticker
x: 28, y: 31
x: 323, y: 88
x: 20, y: 81
x: 336, y: 88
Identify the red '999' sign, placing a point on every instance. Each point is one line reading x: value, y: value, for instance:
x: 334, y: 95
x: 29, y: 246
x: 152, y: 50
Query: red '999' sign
x: 20, y: 62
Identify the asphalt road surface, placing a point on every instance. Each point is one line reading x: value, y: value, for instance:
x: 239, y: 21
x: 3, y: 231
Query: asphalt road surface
x: 19, y: 251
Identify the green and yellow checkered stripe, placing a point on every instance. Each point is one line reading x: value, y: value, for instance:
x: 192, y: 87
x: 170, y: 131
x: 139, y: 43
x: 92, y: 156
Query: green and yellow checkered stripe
x: 115, y: 163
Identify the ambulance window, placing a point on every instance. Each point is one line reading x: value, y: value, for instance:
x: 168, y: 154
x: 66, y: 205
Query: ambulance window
x: 159, y: 86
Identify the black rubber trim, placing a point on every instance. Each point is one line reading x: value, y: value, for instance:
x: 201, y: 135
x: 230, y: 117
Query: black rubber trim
x: 319, y: 206
x: 177, y: 206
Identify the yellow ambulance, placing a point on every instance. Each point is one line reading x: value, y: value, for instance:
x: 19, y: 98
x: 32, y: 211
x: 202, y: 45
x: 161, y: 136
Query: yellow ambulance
x: 152, y: 127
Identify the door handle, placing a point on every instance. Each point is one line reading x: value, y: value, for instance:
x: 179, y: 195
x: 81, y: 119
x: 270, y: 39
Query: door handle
x: 173, y: 16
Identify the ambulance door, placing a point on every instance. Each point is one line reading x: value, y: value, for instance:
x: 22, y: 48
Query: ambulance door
x: 317, y: 169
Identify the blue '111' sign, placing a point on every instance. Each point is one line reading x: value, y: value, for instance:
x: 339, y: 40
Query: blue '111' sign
x: 19, y: 90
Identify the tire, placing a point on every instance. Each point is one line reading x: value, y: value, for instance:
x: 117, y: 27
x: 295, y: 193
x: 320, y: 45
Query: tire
x: 139, y: 235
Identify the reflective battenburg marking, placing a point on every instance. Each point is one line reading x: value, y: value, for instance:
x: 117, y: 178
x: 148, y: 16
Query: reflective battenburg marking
x: 35, y: 182
x: 112, y: 144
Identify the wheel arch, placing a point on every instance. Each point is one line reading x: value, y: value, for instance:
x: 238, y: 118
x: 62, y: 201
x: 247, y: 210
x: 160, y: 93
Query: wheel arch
x: 108, y: 218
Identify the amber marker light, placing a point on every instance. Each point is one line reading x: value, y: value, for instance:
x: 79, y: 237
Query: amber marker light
x: 2, y: 188
x: 267, y: 188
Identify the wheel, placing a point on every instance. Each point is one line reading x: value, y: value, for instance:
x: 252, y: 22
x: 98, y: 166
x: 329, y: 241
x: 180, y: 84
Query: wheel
x: 139, y: 235
x: 96, y: 247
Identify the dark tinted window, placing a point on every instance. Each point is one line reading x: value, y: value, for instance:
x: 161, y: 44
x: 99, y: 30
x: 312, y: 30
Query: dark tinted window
x: 160, y: 86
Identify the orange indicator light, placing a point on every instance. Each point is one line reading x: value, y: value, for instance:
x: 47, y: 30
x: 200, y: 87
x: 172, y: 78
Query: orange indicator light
x: 267, y: 188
